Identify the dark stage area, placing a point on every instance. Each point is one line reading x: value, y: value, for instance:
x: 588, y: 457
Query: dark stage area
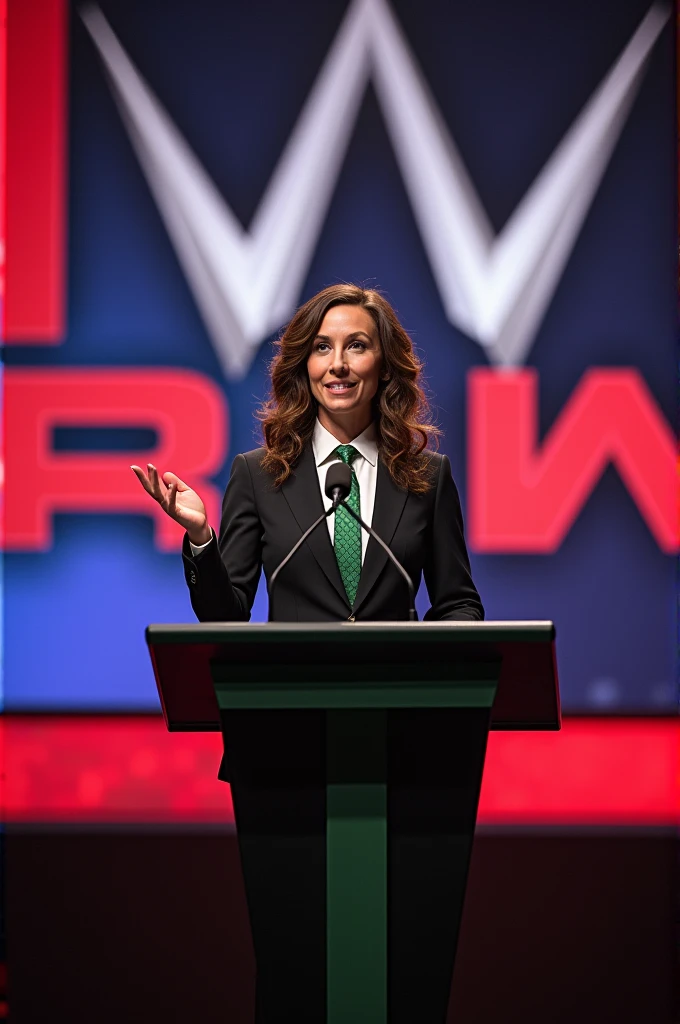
x: 121, y: 925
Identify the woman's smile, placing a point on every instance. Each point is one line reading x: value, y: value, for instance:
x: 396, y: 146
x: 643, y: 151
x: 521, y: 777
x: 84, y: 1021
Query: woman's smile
x: 340, y: 387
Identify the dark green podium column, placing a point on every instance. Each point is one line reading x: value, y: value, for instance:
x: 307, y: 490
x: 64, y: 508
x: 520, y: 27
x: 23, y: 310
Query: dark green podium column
x: 356, y: 788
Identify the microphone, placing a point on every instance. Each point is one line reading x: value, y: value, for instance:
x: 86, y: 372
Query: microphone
x: 337, y: 487
x: 338, y: 483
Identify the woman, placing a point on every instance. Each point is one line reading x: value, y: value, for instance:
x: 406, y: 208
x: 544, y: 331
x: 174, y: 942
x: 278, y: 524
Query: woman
x: 346, y: 377
x: 344, y: 386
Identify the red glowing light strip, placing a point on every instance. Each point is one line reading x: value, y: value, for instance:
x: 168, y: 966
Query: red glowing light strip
x: 129, y: 769
x: 595, y: 771
x: 35, y: 183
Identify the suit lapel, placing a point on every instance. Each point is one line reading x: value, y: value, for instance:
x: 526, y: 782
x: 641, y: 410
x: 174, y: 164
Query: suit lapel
x: 301, y: 491
x: 387, y: 510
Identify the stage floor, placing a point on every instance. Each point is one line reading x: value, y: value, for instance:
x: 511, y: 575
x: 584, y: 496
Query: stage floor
x: 150, y: 924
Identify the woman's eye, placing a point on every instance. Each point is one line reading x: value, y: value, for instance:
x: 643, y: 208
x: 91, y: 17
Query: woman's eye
x: 358, y: 344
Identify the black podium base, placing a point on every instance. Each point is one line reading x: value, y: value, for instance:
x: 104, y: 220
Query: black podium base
x: 432, y: 773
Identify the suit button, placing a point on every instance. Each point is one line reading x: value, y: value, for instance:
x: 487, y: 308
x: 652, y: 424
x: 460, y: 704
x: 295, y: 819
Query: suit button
x: 351, y: 618
x: 193, y: 577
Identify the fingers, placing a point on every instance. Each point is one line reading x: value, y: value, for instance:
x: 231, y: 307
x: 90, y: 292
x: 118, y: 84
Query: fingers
x: 151, y: 483
x: 157, y: 489
x: 163, y: 490
x: 142, y: 477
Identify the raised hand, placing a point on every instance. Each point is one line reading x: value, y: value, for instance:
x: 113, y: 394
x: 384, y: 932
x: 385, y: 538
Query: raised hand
x: 178, y: 500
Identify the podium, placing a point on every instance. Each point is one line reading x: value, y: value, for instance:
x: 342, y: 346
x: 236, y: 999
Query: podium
x: 364, y: 677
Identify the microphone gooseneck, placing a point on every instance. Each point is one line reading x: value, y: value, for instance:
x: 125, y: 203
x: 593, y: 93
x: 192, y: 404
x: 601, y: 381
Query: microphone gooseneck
x: 335, y: 483
x: 298, y: 544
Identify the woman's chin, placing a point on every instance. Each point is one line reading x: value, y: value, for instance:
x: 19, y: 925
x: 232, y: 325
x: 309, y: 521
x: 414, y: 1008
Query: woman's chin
x: 341, y: 406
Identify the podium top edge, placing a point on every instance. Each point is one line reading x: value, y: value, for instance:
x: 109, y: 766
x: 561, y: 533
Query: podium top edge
x: 218, y: 632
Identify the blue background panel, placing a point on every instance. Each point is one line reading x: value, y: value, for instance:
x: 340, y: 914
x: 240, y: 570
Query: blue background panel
x: 508, y: 80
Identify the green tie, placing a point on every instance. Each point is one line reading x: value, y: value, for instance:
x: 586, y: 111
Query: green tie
x: 347, y: 530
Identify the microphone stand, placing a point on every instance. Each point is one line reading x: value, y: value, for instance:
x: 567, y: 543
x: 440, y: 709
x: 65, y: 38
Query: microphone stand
x: 301, y: 541
x: 409, y: 583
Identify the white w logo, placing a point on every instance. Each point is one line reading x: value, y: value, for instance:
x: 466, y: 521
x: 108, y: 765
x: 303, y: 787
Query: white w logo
x: 495, y: 288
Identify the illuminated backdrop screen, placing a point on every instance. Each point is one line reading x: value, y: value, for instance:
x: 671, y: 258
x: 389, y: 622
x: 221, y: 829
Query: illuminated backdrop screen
x: 505, y: 173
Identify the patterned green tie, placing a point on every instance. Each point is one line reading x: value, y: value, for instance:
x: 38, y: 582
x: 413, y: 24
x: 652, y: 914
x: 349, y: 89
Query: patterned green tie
x: 347, y: 530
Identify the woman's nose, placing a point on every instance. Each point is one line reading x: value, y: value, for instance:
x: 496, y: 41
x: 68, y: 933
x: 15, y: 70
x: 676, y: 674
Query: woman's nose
x: 339, y: 364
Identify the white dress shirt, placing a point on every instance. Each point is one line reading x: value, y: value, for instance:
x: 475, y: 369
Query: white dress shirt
x: 365, y: 466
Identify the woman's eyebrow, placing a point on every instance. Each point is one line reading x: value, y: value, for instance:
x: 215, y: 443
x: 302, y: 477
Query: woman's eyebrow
x: 355, y: 334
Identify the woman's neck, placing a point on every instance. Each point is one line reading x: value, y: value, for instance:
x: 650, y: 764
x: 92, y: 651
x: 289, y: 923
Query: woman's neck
x: 344, y: 430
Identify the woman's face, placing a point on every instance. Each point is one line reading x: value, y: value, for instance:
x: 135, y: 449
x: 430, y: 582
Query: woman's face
x: 344, y: 367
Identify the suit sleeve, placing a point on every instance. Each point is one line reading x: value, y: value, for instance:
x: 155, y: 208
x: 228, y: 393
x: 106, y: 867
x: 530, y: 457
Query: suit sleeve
x: 452, y: 593
x: 223, y: 578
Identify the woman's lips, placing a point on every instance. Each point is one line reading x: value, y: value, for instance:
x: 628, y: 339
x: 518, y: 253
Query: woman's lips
x: 340, y: 386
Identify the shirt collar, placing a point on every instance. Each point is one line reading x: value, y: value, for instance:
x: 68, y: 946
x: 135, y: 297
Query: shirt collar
x: 324, y: 444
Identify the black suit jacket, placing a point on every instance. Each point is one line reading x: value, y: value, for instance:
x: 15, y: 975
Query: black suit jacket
x: 261, y: 523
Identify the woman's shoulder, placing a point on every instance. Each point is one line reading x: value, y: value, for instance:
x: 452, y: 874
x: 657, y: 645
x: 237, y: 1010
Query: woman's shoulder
x: 438, y: 472
x: 248, y: 472
x: 250, y: 462
x: 434, y: 459
x: 435, y: 462
x: 431, y: 467
x: 254, y: 457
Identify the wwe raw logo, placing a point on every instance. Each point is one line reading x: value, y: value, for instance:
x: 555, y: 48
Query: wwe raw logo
x: 494, y: 288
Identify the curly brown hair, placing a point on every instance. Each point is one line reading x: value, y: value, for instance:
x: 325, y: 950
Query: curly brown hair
x: 401, y: 410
